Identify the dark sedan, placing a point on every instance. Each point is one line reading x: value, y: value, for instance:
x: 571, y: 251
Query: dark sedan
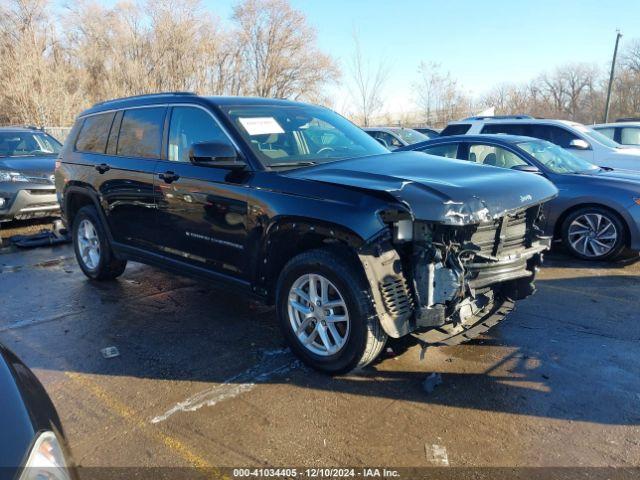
x: 27, y: 163
x: 32, y: 444
x: 597, y: 213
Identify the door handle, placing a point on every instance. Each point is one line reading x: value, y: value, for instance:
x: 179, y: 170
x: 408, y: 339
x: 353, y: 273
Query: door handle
x: 102, y: 168
x: 169, y: 177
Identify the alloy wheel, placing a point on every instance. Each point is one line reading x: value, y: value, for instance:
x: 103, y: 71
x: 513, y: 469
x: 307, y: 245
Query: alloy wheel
x: 592, y: 235
x: 88, y: 244
x: 318, y: 315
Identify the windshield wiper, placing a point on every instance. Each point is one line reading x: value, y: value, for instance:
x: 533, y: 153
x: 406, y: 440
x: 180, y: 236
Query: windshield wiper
x: 293, y: 164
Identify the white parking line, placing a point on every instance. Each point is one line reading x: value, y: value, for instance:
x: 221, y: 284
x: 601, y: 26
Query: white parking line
x: 273, y: 362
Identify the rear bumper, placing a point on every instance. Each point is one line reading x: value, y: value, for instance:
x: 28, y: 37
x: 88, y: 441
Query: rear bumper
x: 26, y: 200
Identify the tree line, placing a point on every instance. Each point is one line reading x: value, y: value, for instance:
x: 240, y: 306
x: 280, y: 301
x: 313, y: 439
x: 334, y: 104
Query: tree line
x: 55, y: 65
x: 56, y: 62
x: 573, y: 91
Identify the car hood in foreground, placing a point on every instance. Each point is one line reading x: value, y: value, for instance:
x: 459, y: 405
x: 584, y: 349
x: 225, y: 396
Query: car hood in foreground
x: 36, y: 166
x: 437, y: 189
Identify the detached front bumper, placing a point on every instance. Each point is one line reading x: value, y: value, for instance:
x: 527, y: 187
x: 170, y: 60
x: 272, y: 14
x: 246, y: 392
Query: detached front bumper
x: 20, y: 201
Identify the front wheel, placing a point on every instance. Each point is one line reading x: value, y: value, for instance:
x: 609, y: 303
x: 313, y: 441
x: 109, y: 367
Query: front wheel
x: 593, y: 233
x: 326, y: 314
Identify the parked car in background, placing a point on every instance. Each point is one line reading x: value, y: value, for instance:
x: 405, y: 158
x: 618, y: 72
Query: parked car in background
x: 292, y: 204
x: 32, y: 442
x: 597, y: 212
x: 624, y: 133
x: 395, y: 137
x: 428, y: 132
x: 580, y: 140
x: 27, y: 163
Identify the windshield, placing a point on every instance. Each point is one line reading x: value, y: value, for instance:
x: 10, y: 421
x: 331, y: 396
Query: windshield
x: 410, y: 136
x: 555, y: 158
x: 598, y: 137
x: 290, y: 136
x: 27, y: 144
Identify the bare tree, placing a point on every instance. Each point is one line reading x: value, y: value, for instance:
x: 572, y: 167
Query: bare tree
x: 35, y: 77
x: 438, y: 95
x: 368, y: 83
x: 278, y: 51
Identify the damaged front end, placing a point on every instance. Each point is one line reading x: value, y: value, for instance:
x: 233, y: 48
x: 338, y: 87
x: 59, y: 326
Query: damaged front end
x: 449, y: 282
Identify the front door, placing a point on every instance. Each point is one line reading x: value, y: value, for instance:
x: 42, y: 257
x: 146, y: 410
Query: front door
x: 202, y: 211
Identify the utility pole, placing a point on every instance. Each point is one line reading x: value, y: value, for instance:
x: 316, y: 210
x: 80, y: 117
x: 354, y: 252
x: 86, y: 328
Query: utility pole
x: 613, y: 67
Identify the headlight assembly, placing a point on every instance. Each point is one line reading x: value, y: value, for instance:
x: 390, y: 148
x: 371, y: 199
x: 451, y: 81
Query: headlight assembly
x: 46, y: 460
x: 7, y: 176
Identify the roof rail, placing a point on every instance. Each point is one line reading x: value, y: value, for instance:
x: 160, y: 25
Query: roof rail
x: 628, y: 119
x: 145, y: 95
x: 499, y: 117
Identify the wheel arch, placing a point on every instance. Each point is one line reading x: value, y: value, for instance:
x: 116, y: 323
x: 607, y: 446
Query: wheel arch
x: 77, y: 196
x: 291, y: 236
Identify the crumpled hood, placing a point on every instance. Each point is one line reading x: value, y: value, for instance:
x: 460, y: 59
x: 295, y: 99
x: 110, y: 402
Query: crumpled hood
x: 437, y: 189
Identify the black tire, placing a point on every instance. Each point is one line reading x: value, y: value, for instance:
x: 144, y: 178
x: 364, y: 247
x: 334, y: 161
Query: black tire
x: 365, y: 339
x: 108, y: 267
x: 614, y: 218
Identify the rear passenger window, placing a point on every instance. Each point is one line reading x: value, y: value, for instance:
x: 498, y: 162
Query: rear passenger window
x: 94, y: 133
x: 457, y: 129
x: 449, y: 151
x: 141, y: 132
x: 506, y: 128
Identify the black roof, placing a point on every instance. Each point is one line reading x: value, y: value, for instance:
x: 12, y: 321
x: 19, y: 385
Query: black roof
x: 184, y: 97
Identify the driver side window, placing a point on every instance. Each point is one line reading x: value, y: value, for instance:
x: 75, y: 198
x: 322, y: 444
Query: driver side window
x: 191, y: 125
x: 494, y: 156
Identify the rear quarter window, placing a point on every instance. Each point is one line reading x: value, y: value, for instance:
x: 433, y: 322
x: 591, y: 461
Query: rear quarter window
x: 94, y: 133
x: 457, y: 129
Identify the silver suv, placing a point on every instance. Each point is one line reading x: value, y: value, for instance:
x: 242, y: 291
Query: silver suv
x: 582, y: 141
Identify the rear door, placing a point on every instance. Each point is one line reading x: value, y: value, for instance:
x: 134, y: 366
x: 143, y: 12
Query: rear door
x: 202, y: 210
x: 124, y: 183
x: 126, y: 176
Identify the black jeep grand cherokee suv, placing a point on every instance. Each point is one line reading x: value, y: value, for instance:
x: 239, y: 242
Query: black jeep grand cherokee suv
x: 295, y: 205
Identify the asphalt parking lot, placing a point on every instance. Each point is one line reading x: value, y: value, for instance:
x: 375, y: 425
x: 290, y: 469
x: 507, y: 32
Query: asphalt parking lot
x: 203, y: 377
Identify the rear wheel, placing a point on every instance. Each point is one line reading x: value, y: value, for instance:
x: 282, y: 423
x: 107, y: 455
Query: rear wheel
x: 91, y: 246
x: 593, y: 233
x: 326, y: 314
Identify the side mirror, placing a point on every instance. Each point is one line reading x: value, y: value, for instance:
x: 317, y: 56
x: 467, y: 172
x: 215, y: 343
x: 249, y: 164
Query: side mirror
x: 579, y: 144
x: 214, y: 154
x: 526, y: 168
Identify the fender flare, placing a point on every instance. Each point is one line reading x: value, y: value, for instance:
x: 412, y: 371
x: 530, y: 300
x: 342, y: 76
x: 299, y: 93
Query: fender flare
x: 91, y: 193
